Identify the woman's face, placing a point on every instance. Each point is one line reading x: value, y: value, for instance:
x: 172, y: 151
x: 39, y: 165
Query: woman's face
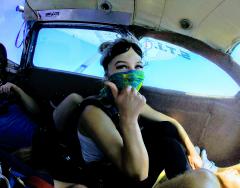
x: 129, y: 60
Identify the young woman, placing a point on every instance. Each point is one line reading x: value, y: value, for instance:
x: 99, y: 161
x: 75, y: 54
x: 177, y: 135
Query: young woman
x: 16, y: 127
x: 108, y: 125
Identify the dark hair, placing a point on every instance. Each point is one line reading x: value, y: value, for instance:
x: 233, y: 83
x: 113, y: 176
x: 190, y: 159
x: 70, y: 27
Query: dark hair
x: 110, y: 50
x: 3, y: 51
x: 3, y: 61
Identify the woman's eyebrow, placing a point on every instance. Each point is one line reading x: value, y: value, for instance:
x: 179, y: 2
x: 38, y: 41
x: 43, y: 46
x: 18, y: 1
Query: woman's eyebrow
x: 125, y: 62
x: 120, y: 62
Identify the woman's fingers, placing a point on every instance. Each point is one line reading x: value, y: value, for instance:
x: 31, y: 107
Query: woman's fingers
x: 6, y: 88
x: 113, y: 88
x: 3, y: 89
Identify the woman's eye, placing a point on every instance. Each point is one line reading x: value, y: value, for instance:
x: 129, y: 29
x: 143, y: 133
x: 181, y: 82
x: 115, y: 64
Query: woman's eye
x: 139, y: 67
x: 121, y: 67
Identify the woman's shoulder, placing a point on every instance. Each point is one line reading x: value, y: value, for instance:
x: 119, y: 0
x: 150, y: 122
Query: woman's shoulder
x: 93, y: 101
x: 92, y: 111
x: 96, y: 105
x: 92, y: 118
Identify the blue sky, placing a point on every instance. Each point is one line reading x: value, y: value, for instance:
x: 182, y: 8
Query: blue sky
x: 10, y: 24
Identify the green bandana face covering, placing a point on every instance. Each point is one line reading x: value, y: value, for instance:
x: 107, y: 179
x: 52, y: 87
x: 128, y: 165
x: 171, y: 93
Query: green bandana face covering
x: 132, y: 78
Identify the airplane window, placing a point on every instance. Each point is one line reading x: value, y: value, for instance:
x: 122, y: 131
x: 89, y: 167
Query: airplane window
x: 236, y: 53
x: 167, y: 66
x: 175, y: 68
x: 72, y: 50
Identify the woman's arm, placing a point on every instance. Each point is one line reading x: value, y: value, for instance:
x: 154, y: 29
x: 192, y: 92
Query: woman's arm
x: 27, y: 101
x: 152, y: 114
x: 126, y: 149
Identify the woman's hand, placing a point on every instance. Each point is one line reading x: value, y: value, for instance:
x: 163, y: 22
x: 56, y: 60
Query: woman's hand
x: 129, y: 101
x: 195, y: 160
x: 27, y: 101
x: 7, y: 88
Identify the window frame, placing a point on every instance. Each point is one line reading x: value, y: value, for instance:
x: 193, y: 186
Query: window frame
x: 232, y: 49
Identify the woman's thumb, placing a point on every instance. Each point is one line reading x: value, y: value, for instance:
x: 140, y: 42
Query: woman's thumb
x: 113, y: 88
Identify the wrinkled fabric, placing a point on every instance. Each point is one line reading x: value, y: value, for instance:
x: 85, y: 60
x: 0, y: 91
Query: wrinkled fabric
x: 132, y: 78
x: 16, y: 128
